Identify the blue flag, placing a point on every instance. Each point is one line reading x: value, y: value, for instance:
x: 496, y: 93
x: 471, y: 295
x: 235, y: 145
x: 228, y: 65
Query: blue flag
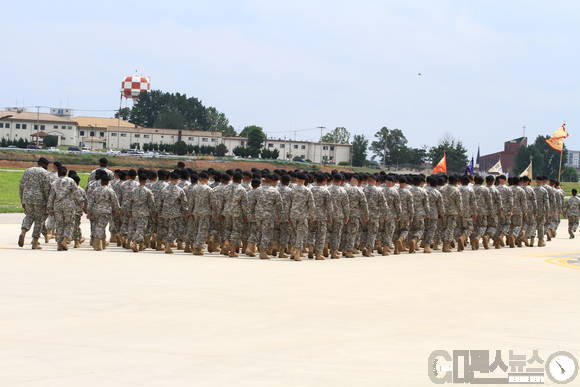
x: 469, y: 168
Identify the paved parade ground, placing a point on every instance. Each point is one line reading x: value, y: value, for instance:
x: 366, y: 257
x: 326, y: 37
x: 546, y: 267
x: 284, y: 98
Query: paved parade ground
x: 117, y: 318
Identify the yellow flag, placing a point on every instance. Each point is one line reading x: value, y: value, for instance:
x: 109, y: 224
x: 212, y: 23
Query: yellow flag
x: 527, y: 172
x: 556, y: 142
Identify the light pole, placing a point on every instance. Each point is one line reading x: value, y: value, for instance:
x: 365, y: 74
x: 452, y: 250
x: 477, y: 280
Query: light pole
x: 320, y: 141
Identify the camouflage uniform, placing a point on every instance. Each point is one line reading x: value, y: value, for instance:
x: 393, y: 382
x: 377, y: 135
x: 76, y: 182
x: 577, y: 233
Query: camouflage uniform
x: 252, y: 229
x: 420, y: 210
x: 63, y: 201
x: 156, y: 226
x: 171, y: 207
x: 465, y: 219
x: 496, y: 207
x: 200, y: 210
x: 140, y: 206
x: 93, y: 174
x: 543, y: 206
x: 436, y: 212
x: 407, y: 213
x: 82, y: 206
x: 235, y: 213
x: 519, y: 209
x: 283, y: 229
x: 101, y: 203
x: 318, y: 226
x: 358, y: 210
x: 507, y: 201
x: 217, y: 205
x: 126, y: 187
x: 340, y: 211
x: 551, y: 218
x: 572, y: 211
x: 561, y: 195
x: 301, y: 208
x: 453, y: 206
x: 529, y: 225
x: 484, y: 209
x: 34, y: 190
x: 394, y: 202
x: 50, y: 221
x: 116, y: 220
x: 266, y: 204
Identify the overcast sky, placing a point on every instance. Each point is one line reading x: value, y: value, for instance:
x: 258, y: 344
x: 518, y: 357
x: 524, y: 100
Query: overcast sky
x: 488, y: 67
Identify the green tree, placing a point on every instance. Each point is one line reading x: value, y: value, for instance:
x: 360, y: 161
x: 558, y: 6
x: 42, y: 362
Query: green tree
x: 221, y: 150
x: 124, y: 113
x: 546, y: 161
x: 359, y: 150
x: 339, y: 135
x: 170, y: 119
x: 218, y: 122
x: 569, y: 174
x: 390, y: 146
x: 456, y: 154
x: 49, y: 141
x: 240, y: 151
x: 256, y: 137
x: 180, y: 148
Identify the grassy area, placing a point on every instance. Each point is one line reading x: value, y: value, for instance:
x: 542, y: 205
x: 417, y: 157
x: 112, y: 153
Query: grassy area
x: 568, y: 188
x: 10, y: 181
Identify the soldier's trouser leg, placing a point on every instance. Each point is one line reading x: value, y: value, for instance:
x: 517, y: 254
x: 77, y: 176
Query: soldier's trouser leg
x: 480, y: 226
x: 320, y: 234
x: 172, y: 231
x: 64, y: 219
x: 403, y: 228
x: 285, y: 234
x: 77, y: 234
x: 572, y: 223
x: 34, y: 214
x: 50, y: 224
x: 100, y: 225
x: 504, y: 225
x: 335, y: 234
x: 540, y: 226
x: 300, y: 231
x: 139, y: 227
x: 449, y: 231
x: 237, y: 225
x: 227, y: 228
x: 516, y: 225
x: 492, y: 224
x: 311, y: 237
x: 267, y: 232
x: 431, y: 226
x: 372, y: 230
x: 352, y: 229
x: 201, y: 231
x: 161, y: 229
x: 417, y: 227
x: 390, y: 227
x: 530, y: 226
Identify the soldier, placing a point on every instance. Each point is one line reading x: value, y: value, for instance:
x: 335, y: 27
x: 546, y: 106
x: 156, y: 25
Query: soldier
x: 484, y: 208
x: 103, y: 163
x: 140, y: 207
x: 34, y: 190
x: 116, y: 220
x: 217, y: 206
x: 324, y: 210
x: 101, y: 204
x: 266, y: 207
x: 126, y: 187
x: 284, y: 226
x: 63, y: 201
x: 235, y: 214
x: 495, y: 209
x: 394, y: 202
x: 250, y: 250
x: 172, y: 207
x: 504, y: 219
x: 572, y: 211
x: 529, y: 225
x: 340, y: 211
x: 157, y: 226
x: 200, y: 210
x: 436, y: 212
x: 550, y: 230
x: 50, y: 221
x: 469, y: 214
x: 453, y: 206
x: 543, y: 206
x: 359, y: 212
x: 519, y: 210
x: 420, y: 210
x: 301, y: 209
x: 81, y: 208
x: 407, y: 213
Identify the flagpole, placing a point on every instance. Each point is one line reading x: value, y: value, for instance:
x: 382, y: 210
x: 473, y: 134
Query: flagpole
x: 560, y: 168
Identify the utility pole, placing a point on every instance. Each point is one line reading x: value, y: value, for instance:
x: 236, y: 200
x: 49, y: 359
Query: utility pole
x: 524, y: 129
x: 37, y: 124
x: 320, y: 141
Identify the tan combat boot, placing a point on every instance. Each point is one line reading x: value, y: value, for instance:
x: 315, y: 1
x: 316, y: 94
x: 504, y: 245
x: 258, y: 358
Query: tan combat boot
x: 485, y: 241
x: 334, y: 254
x: 233, y: 251
x: 460, y: 245
x: 77, y: 245
x: 97, y: 244
x: 427, y: 248
x: 446, y: 247
x: 531, y: 242
x: 296, y: 254
x: 35, y: 244
x: 168, y: 249
x: 348, y: 254
x: 134, y: 247
x: 159, y: 246
x: 282, y: 254
x: 251, y: 250
x: 142, y: 246
x: 511, y: 241
x: 318, y: 256
x: 384, y: 250
x: 187, y: 248
x: 263, y: 254
x: 412, y: 245
x: 325, y: 252
x: 197, y: 251
x: 21, y: 238
x: 541, y: 242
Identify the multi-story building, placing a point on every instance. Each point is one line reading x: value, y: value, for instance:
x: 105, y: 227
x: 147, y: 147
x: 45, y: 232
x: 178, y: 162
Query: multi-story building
x: 507, y: 156
x: 573, y: 158
x: 111, y: 133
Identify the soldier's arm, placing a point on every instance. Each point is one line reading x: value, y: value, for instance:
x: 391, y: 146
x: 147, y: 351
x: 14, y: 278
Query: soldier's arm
x: 329, y: 210
x: 23, y: 182
x: 410, y: 207
x: 426, y: 204
x: 364, y: 205
x: 114, y: 201
x: 459, y: 202
x: 50, y: 203
x: 244, y: 204
x: 311, y: 205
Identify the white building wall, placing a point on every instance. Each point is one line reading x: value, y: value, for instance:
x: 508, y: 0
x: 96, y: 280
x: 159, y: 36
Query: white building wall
x: 14, y: 130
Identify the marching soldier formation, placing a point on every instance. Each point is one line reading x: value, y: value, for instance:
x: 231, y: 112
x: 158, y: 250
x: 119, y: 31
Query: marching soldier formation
x: 291, y: 214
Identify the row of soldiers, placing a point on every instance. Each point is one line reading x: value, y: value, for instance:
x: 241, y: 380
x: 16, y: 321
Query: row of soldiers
x: 292, y: 213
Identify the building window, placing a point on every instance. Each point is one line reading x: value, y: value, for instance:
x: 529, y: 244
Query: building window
x: 42, y: 127
x: 1, y: 124
x: 295, y: 146
x: 161, y: 136
x: 213, y: 139
x: 62, y: 137
x: 331, y: 158
x: 324, y: 147
x: 190, y: 138
x: 55, y: 126
x: 82, y: 133
x: 332, y: 147
x: 282, y: 145
x: 270, y: 145
x: 17, y: 126
x: 7, y: 125
x: 63, y: 126
x: 204, y: 139
x: 145, y: 136
x: 102, y: 134
x: 123, y: 134
x: 69, y: 127
x: 114, y: 134
x: 35, y: 127
x: 137, y: 135
x: 23, y: 126
x: 92, y: 134
x: 303, y: 147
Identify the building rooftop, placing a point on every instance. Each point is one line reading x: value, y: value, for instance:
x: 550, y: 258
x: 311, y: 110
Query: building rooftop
x: 33, y: 116
x: 101, y: 122
x: 173, y: 132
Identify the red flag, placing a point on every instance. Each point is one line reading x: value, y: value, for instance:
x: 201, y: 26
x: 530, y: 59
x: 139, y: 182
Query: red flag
x: 441, y: 166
